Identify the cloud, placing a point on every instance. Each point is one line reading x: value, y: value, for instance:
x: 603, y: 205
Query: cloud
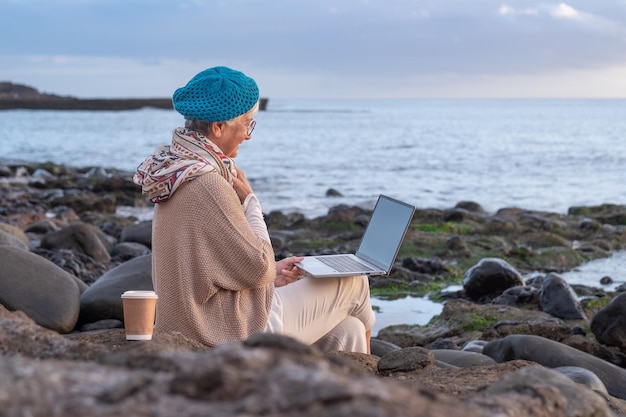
x: 508, y: 10
x: 564, y: 11
x: 373, y: 43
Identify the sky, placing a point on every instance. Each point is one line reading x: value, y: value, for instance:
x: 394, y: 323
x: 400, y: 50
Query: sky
x: 319, y: 48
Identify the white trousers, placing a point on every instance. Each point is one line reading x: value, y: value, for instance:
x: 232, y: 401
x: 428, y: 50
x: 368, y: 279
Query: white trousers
x: 331, y: 313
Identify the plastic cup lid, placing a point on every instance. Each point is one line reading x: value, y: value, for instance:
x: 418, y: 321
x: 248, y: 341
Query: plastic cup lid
x: 139, y: 294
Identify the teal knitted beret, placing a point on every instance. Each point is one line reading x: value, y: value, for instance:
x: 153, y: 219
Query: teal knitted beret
x: 215, y: 95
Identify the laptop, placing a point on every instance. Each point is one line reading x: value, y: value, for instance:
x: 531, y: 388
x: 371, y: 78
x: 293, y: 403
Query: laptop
x: 378, y: 248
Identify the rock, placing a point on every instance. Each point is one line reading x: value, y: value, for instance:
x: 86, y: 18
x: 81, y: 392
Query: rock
x: 553, y: 354
x: 83, y: 267
x: 462, y: 359
x: 128, y: 250
x: 231, y: 380
x: 583, y: 376
x: 102, y: 325
x: 441, y: 344
x: 380, y: 347
x: 557, y: 298
x: 426, y: 266
x: 516, y: 296
x: 557, y: 392
x: 42, y: 227
x: 463, y: 321
x: 7, y: 239
x: 42, y: 290
x: 609, y: 324
x: 103, y: 298
x: 20, y: 335
x: 489, y: 278
x: 81, y: 237
x: 140, y: 232
x: 16, y: 233
x: 405, y: 360
x: 475, y: 346
x: 470, y: 206
x: 82, y: 201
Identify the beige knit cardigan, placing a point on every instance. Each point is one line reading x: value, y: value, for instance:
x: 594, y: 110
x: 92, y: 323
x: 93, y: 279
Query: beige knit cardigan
x: 214, y: 276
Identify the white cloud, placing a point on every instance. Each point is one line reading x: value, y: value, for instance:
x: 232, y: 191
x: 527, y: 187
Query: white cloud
x: 565, y: 11
x: 505, y: 9
x: 598, y: 24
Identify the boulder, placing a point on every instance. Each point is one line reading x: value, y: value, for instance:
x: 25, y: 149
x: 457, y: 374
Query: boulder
x: 380, y: 347
x: 609, y: 324
x: 140, y: 233
x: 553, y: 354
x: 7, y: 239
x: 405, y: 360
x: 550, y: 387
x: 489, y: 278
x: 102, y: 300
x: 583, y: 376
x: 558, y: 299
x: 82, y: 237
x: 43, y: 291
x: 128, y: 250
x: 16, y: 233
x: 462, y: 359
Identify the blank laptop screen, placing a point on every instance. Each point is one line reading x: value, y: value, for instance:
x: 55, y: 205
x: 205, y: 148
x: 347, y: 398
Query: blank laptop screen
x: 386, y: 228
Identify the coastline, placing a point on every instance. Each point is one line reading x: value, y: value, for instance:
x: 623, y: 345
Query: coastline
x: 99, y: 104
x: 62, y: 222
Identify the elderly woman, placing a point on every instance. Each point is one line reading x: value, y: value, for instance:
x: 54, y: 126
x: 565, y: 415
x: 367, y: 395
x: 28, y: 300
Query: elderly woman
x: 213, y: 264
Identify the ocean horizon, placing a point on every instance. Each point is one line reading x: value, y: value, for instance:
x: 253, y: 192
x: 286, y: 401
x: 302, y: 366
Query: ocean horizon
x: 537, y: 154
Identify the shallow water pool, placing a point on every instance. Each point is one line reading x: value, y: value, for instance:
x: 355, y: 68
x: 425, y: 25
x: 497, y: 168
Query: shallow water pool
x: 419, y: 310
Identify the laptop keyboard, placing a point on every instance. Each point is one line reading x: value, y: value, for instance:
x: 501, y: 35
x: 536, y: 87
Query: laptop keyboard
x: 343, y: 263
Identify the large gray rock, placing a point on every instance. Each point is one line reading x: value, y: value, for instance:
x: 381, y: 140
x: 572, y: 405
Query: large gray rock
x: 553, y: 354
x: 102, y: 300
x: 43, y: 291
x: 609, y: 324
x: 558, y: 299
x: 82, y: 237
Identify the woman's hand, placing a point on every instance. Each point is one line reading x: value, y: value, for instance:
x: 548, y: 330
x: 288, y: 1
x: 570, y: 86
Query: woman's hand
x: 287, y: 272
x: 241, y: 185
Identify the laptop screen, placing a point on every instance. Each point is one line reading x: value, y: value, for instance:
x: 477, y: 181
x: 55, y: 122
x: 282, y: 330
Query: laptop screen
x: 385, y: 232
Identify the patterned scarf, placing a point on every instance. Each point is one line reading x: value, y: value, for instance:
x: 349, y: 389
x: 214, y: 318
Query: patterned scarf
x: 190, y: 155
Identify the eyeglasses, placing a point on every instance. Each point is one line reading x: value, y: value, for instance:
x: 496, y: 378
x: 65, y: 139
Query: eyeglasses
x: 251, y: 127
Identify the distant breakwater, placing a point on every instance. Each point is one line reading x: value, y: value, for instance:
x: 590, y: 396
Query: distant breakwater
x: 72, y: 103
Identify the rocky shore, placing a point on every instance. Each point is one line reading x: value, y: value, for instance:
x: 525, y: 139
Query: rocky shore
x: 504, y: 345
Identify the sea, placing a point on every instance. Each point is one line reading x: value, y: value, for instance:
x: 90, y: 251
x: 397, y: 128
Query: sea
x: 536, y: 154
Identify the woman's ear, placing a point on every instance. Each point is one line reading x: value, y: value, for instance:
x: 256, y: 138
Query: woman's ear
x: 216, y: 128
